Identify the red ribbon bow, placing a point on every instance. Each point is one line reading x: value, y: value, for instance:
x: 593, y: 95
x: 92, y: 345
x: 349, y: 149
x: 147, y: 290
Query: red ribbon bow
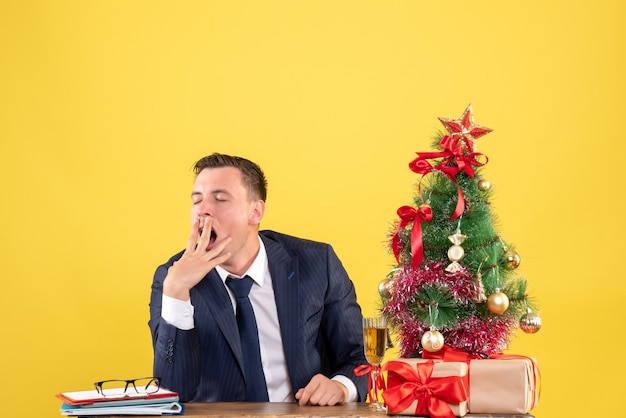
x: 454, y: 161
x: 372, y: 386
x: 432, y: 394
x: 407, y: 215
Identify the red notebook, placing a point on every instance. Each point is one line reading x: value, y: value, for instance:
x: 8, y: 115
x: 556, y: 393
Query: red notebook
x: 86, y: 397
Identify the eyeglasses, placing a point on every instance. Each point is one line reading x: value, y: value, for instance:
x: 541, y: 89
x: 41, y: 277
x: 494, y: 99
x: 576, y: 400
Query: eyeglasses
x: 119, y: 387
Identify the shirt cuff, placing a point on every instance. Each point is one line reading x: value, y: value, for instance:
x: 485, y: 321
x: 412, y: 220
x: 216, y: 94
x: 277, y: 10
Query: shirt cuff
x: 352, y: 393
x: 178, y: 313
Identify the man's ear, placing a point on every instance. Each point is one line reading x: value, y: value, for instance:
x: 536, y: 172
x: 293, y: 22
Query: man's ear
x: 257, y: 211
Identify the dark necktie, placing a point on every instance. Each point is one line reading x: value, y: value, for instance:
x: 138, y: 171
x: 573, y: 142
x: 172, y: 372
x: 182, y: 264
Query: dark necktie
x: 256, y: 388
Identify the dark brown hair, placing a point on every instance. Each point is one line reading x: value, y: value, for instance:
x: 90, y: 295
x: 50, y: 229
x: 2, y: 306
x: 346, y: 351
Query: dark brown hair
x: 253, y: 177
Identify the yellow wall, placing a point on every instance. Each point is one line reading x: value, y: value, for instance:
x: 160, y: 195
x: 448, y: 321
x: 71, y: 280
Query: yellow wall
x: 104, y: 106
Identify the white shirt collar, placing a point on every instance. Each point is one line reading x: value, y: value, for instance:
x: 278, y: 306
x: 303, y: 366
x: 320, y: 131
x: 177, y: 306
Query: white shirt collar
x: 257, y: 270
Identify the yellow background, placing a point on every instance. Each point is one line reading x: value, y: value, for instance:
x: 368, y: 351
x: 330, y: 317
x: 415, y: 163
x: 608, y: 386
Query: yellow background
x: 105, y: 105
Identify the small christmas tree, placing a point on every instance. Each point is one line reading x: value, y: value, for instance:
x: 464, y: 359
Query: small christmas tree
x: 455, y: 281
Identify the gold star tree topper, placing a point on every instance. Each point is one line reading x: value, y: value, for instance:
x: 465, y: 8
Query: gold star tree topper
x: 465, y: 130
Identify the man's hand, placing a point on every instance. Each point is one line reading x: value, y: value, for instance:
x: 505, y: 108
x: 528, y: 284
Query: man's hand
x: 322, y: 391
x: 195, y: 263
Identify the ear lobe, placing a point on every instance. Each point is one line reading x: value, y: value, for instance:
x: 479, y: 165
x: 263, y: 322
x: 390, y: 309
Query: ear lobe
x: 257, y: 212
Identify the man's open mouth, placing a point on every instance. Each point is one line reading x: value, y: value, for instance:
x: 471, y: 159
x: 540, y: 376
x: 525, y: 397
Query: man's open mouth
x: 212, y: 237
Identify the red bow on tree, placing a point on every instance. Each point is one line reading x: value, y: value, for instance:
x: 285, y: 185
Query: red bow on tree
x: 454, y: 161
x: 407, y: 215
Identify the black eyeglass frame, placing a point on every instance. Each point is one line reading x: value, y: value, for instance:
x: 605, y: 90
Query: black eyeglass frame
x: 130, y: 382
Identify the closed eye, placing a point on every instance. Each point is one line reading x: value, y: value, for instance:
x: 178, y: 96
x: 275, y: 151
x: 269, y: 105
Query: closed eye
x: 196, y: 198
x: 220, y: 197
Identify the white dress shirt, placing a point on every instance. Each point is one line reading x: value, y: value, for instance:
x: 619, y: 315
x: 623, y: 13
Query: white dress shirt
x: 180, y: 314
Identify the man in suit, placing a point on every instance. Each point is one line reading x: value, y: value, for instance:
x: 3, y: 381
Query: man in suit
x: 310, y: 336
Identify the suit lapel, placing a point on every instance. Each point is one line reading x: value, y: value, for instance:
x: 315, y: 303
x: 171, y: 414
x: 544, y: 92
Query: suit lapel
x: 284, y: 271
x: 213, y: 293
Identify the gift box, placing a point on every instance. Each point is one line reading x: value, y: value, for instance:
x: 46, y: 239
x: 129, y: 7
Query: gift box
x: 425, y: 387
x: 504, y: 385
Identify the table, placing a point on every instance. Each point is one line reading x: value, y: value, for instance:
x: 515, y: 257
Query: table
x: 292, y: 410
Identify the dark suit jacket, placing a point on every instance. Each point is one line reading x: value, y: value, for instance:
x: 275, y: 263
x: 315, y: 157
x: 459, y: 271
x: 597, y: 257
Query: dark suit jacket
x: 320, y: 325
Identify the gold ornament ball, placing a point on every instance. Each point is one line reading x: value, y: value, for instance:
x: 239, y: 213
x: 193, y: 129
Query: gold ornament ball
x: 384, y: 288
x: 484, y: 185
x: 432, y: 341
x: 530, y: 323
x: 498, y: 302
x: 511, y: 259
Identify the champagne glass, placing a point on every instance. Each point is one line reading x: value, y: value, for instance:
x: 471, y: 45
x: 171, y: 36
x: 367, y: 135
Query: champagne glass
x: 375, y: 344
